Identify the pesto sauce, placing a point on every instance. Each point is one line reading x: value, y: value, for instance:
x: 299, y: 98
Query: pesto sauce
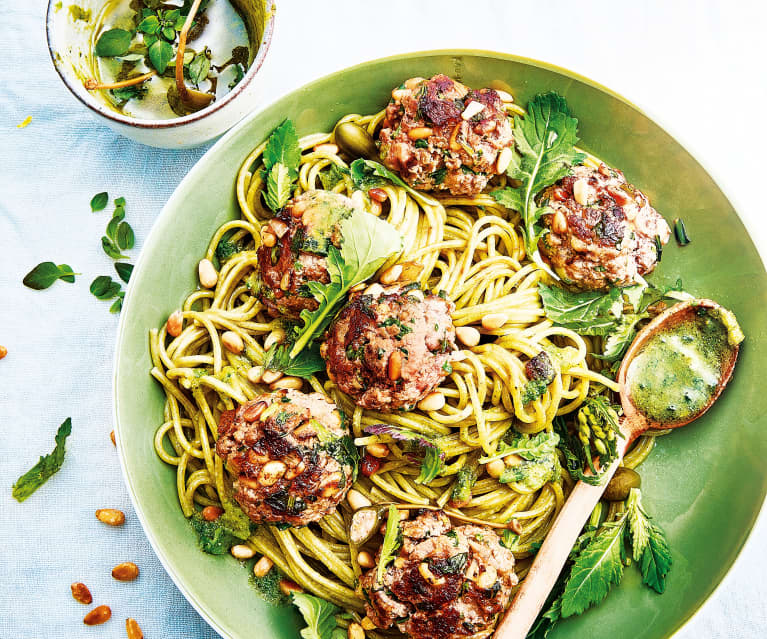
x: 674, y: 376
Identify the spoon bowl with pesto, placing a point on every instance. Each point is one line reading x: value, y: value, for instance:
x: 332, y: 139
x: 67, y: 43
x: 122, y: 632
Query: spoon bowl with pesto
x: 673, y: 372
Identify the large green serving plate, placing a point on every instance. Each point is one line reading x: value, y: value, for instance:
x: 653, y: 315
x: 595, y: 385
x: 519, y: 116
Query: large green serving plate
x: 705, y: 484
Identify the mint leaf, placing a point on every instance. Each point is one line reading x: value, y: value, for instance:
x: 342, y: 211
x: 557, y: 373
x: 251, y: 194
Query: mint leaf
x: 545, y: 139
x: 282, y: 148
x: 46, y: 273
x: 99, y: 201
x: 587, y: 313
x: 160, y: 54
x: 199, y: 67
x: 113, y: 43
x: 124, y: 271
x: 304, y: 365
x: 46, y: 467
x: 279, y: 187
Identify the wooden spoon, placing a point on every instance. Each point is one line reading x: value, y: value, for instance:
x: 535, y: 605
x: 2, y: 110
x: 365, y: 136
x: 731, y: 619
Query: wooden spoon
x: 553, y: 554
x: 191, y: 98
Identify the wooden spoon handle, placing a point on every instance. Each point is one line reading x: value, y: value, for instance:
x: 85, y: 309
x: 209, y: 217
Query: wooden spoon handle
x: 548, y: 563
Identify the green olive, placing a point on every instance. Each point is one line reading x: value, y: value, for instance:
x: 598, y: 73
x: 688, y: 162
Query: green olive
x: 620, y: 485
x: 355, y: 141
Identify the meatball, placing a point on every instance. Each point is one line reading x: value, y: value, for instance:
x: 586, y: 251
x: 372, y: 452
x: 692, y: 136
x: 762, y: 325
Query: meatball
x: 426, y: 139
x: 388, y: 349
x: 445, y: 583
x: 292, y: 455
x: 304, y: 229
x: 603, y: 231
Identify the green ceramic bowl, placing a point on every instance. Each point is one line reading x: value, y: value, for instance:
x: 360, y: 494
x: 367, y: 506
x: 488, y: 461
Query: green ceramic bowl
x: 704, y: 485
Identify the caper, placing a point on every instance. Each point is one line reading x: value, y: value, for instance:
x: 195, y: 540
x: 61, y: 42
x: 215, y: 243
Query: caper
x: 355, y: 141
x: 620, y: 485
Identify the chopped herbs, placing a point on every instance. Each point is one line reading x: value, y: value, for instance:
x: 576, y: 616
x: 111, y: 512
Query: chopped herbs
x: 46, y: 273
x: 46, y: 467
x: 394, y: 321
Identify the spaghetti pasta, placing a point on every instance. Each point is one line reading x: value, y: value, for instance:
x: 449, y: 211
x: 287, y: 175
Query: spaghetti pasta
x: 469, y: 247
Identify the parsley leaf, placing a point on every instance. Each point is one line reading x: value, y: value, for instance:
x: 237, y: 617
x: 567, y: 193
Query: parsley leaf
x: 46, y: 467
x: 545, y: 150
x: 366, y: 243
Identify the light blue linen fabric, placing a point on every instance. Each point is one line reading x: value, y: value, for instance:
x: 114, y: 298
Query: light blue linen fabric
x: 60, y: 341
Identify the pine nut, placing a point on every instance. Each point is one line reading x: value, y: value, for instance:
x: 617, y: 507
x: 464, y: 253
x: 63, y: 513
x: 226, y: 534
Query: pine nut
x: 207, y: 273
x: 367, y: 623
x: 288, y: 587
x: 559, y: 222
x: 412, y: 83
x: 211, y: 513
x: 268, y: 239
x: 493, y: 321
x: 262, y: 567
x: 394, y: 367
x: 358, y: 200
x: 378, y: 450
x: 505, y: 97
x: 398, y: 94
x: 355, y: 631
x: 97, y: 616
x: 81, y: 593
x: 294, y: 383
x: 110, y: 516
x: 3, y: 351
x: 604, y: 169
x: 269, y: 377
x: 458, y: 356
x: 132, y: 629
x: 495, y: 468
x: 391, y: 275
x: 375, y: 208
x: 255, y: 374
x: 417, y: 293
x: 433, y: 401
x: 277, y: 336
x: 512, y: 460
x: 487, y: 578
x: 112, y: 437
x: 378, y: 195
x: 278, y: 227
x: 285, y: 281
x: 365, y: 559
x: 126, y: 571
x: 174, y: 324
x: 374, y: 289
x: 241, y: 551
x: 357, y: 500
x: 472, y: 109
x: 467, y: 335
x: 253, y: 411
x: 420, y: 132
x: 233, y: 342
x: 271, y: 473
x: 429, y: 576
x: 328, y: 147
x: 454, y: 144
x: 581, y: 191
x: 503, y: 161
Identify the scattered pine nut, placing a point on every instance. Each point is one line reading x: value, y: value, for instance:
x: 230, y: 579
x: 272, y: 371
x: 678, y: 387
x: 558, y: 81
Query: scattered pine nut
x: 378, y: 450
x: 233, y: 342
x: 112, y: 437
x: 394, y: 366
x: 262, y: 567
x: 110, y: 516
x: 97, y: 616
x: 468, y: 335
x: 174, y: 324
x: 3, y: 351
x: 295, y: 383
x: 81, y: 593
x: 132, y: 629
x: 211, y: 513
x: 207, y: 273
x: 255, y: 374
x: 433, y: 401
x: 241, y: 551
x: 420, y: 132
x: 288, y: 587
x: 126, y: 571
x: 391, y: 275
x: 365, y: 559
x: 357, y: 500
x: 367, y: 623
x: 269, y: 377
x: 495, y: 468
x: 493, y: 321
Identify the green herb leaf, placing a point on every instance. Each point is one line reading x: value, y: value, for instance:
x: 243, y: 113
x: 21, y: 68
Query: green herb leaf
x: 117, y: 305
x: 46, y: 466
x: 113, y: 43
x: 366, y: 243
x: 120, y: 202
x: 169, y: 33
x: 332, y: 176
x: 104, y: 288
x: 279, y: 187
x: 619, y: 339
x: 111, y: 249
x: 391, y: 542
x: 318, y: 614
x: 124, y: 271
x: 680, y: 232
x: 305, y: 364
x: 529, y: 447
x: 596, y: 569
x: 160, y: 54
x: 282, y: 148
x: 150, y: 24
x: 213, y: 538
x: 367, y: 174
x: 268, y: 587
x: 125, y: 237
x: 46, y: 273
x: 199, y: 67
x: 545, y: 139
x: 134, y: 92
x: 639, y: 524
x: 99, y: 201
x: 587, y: 313
x: 649, y: 546
x: 539, y: 464
x: 431, y: 465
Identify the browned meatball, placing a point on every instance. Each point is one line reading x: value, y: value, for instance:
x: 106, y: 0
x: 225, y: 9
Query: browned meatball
x: 603, y: 231
x: 425, y: 138
x: 292, y: 454
x: 389, y: 349
x: 445, y: 583
x: 304, y: 229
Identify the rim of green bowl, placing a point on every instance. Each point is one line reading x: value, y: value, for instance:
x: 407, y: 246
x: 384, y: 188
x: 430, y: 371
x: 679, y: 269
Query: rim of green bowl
x: 153, y: 237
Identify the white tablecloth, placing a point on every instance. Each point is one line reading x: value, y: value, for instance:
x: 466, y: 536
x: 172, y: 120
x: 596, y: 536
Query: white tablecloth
x: 696, y: 66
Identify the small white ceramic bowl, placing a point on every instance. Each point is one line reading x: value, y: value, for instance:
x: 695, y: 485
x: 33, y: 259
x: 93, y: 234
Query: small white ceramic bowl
x: 70, y: 46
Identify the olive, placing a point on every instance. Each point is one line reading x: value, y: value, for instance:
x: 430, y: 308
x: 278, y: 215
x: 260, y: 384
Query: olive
x: 355, y: 141
x: 620, y: 485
